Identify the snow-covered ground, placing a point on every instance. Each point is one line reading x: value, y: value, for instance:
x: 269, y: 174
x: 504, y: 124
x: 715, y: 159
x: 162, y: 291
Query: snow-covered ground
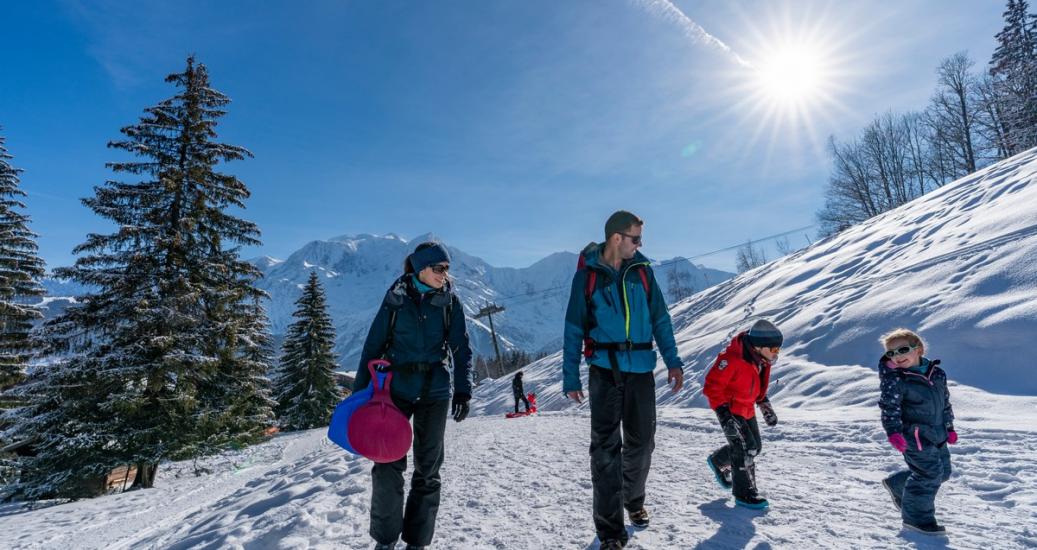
x: 960, y: 264
x: 525, y: 484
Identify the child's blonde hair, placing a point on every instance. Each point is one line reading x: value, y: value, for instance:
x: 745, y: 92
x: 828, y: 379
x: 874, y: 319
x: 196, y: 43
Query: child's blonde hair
x: 902, y: 334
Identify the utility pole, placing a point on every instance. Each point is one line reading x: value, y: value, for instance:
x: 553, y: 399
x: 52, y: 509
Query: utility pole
x: 488, y: 312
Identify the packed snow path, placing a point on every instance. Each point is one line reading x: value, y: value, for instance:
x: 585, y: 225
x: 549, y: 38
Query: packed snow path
x: 525, y: 484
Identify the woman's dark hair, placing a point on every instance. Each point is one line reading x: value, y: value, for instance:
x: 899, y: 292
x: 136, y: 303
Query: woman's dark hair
x: 409, y: 269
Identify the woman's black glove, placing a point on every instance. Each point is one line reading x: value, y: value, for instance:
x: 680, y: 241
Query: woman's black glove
x: 459, y: 410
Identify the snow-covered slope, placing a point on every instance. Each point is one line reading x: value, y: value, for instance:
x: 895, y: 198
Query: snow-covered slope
x: 525, y: 484
x: 958, y: 264
x: 356, y: 270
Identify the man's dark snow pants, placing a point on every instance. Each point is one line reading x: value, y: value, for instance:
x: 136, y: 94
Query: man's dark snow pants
x: 619, y: 465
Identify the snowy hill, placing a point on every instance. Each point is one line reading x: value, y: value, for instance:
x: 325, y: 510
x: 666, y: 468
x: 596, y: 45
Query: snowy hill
x: 958, y: 264
x: 357, y: 269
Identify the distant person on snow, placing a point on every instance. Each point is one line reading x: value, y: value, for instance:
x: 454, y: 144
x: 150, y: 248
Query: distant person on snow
x: 615, y: 310
x: 418, y: 328
x: 735, y: 385
x: 919, y: 422
x: 520, y: 393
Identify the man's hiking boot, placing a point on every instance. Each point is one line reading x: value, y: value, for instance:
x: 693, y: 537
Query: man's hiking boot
x: 639, y: 518
x: 611, y: 544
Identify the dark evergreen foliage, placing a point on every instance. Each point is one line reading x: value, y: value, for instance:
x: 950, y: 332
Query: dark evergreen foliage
x: 162, y: 360
x: 305, y: 386
x: 20, y: 272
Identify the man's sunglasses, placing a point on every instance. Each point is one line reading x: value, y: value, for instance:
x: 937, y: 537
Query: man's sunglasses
x: 636, y: 239
x: 902, y: 350
x: 439, y: 269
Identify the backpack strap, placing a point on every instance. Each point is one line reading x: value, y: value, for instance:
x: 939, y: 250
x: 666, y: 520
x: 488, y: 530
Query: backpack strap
x: 588, y: 318
x: 389, y: 336
x: 643, y: 272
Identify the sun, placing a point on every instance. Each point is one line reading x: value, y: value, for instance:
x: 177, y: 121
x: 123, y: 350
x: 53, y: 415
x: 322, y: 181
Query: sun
x: 793, y: 73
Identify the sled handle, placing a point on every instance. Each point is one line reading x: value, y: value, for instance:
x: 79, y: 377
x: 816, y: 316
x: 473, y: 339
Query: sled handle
x: 380, y: 375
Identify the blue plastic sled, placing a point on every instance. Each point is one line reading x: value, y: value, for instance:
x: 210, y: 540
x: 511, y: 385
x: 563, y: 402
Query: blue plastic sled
x: 338, y: 430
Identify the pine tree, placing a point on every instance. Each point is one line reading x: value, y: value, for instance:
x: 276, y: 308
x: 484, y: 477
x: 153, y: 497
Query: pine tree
x: 305, y: 387
x: 1013, y: 67
x: 159, y: 362
x: 20, y: 272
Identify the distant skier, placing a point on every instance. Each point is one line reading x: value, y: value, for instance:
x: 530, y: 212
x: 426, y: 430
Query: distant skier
x: 420, y: 329
x: 615, y: 311
x: 919, y: 422
x: 516, y: 389
x: 735, y: 385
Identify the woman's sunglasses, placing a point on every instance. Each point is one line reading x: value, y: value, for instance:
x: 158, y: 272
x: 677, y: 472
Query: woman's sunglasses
x: 439, y: 269
x: 902, y: 350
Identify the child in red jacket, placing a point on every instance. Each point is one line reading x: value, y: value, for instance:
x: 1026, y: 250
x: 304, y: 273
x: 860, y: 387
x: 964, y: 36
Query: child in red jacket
x: 735, y: 385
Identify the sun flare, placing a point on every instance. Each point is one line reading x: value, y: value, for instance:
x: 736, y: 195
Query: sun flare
x: 791, y: 74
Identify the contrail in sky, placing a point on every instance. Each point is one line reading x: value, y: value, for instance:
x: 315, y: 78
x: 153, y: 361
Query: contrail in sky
x: 694, y: 31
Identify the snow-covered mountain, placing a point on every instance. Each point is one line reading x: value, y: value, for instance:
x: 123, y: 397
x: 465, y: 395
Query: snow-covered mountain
x: 959, y: 265
x: 357, y: 269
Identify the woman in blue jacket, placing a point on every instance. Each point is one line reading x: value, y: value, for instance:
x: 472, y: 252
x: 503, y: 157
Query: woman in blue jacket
x: 420, y: 329
x: 919, y: 422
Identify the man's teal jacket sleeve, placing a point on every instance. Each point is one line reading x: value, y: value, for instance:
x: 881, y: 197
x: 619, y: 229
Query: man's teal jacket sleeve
x: 572, y: 348
x: 662, y: 329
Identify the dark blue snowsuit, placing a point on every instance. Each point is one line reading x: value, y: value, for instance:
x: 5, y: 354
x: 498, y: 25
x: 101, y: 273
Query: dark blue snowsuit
x: 918, y: 406
x: 421, y: 334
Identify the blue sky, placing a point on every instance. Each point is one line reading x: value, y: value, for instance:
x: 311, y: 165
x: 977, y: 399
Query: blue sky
x: 509, y: 129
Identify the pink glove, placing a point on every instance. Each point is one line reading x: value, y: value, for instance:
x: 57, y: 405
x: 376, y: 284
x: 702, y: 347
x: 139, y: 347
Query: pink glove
x: 952, y: 437
x: 898, y: 442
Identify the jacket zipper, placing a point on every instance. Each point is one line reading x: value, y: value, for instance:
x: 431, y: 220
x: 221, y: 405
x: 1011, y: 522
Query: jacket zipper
x: 626, y: 301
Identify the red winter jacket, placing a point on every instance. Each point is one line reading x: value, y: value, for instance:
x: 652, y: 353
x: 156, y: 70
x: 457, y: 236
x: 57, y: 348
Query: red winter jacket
x: 738, y: 378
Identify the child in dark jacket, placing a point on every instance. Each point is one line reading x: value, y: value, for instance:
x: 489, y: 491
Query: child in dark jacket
x: 919, y: 422
x: 735, y: 385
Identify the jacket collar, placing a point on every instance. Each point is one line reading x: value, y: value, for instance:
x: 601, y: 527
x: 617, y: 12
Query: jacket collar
x: 404, y: 288
x: 593, y: 257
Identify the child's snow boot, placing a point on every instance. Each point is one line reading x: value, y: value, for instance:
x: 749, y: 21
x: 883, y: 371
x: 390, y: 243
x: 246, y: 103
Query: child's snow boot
x: 722, y: 475
x: 753, y: 501
x: 926, y: 528
x: 892, y: 494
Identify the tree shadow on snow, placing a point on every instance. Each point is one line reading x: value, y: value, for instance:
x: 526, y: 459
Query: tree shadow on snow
x: 736, y: 525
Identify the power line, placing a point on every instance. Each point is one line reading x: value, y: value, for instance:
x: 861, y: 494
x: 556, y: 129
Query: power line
x: 533, y: 295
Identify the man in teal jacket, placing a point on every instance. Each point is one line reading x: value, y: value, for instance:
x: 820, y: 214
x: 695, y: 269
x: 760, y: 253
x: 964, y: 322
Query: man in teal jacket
x: 615, y: 310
